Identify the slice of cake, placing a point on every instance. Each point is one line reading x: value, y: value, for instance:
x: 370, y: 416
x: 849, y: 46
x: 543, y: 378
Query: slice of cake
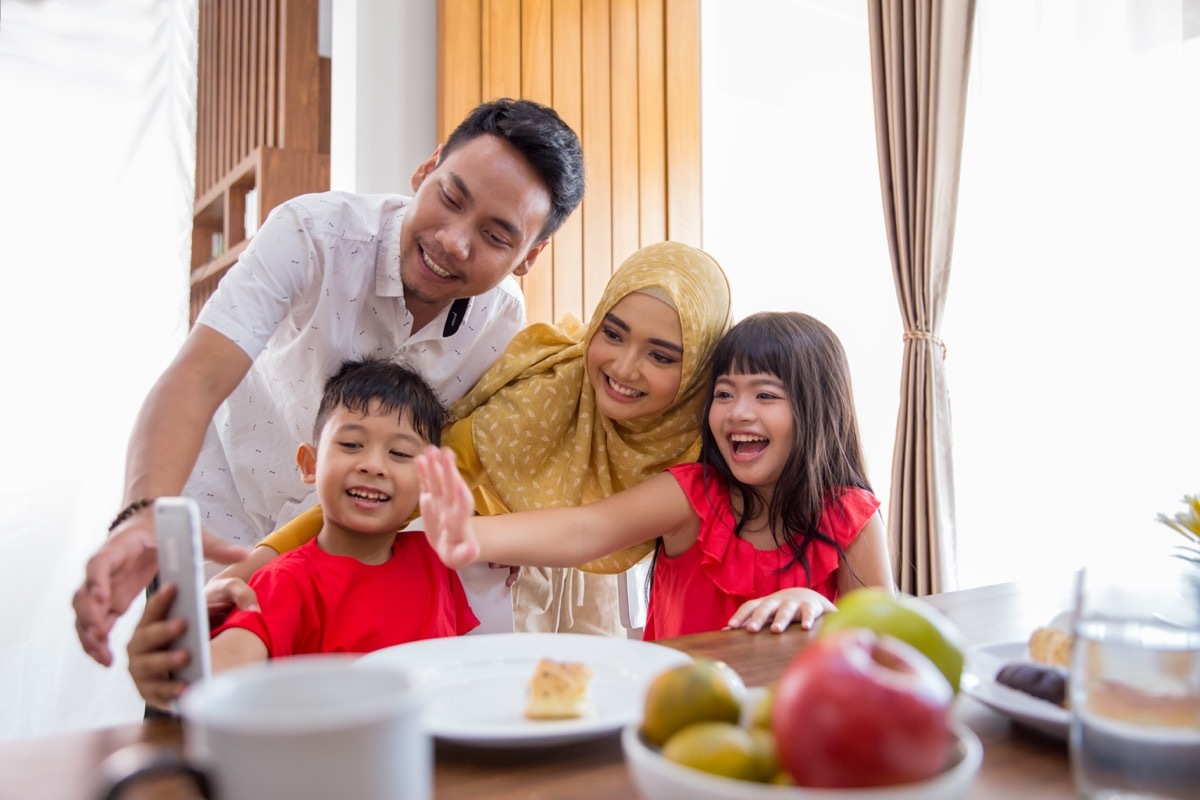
x: 559, y: 690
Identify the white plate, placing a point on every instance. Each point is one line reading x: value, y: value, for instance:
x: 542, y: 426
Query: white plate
x: 979, y: 682
x: 478, y: 683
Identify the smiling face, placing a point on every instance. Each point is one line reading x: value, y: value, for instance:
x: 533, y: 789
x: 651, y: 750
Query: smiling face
x: 635, y: 359
x: 752, y: 423
x: 363, y: 470
x: 475, y: 218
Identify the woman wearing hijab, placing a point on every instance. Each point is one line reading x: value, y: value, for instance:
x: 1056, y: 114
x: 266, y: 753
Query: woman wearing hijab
x: 570, y: 414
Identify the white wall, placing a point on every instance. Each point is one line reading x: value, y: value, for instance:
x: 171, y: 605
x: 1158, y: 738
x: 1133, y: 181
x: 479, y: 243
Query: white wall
x: 95, y: 222
x: 96, y: 161
x: 1071, y: 323
x: 791, y: 186
x: 384, y: 92
x: 1072, y: 313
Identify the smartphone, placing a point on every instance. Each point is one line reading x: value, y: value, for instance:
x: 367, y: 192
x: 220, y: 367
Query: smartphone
x: 181, y: 562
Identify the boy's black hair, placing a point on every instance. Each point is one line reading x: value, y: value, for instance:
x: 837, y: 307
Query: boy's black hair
x: 548, y: 144
x: 397, y: 389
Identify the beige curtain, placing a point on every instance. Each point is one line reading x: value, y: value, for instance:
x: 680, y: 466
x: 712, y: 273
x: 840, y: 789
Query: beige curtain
x: 920, y: 54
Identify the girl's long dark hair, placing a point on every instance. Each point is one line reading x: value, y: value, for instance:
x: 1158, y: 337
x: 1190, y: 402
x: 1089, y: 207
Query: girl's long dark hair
x: 826, y: 454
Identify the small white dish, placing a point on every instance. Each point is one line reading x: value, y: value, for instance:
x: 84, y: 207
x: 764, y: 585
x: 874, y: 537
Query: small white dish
x: 656, y: 778
x: 477, y: 685
x: 979, y: 682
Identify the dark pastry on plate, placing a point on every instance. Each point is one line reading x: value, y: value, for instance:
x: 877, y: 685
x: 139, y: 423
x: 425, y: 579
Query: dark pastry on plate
x: 1043, y: 682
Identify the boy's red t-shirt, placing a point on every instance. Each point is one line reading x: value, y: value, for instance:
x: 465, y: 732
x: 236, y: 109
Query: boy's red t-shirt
x: 314, y: 602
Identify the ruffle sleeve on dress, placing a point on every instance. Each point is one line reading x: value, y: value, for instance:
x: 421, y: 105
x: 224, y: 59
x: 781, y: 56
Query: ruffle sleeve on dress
x: 737, y: 567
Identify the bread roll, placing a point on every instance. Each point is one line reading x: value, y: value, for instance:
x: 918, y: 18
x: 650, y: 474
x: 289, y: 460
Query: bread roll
x: 1051, y: 646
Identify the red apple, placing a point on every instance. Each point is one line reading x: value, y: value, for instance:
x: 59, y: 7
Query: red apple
x: 857, y: 709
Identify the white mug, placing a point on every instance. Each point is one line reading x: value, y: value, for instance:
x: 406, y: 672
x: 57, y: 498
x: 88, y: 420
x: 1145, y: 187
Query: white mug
x: 309, y: 727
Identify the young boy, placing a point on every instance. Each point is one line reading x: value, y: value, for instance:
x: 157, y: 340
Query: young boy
x: 359, y: 586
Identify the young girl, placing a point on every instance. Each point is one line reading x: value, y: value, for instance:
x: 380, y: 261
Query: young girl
x: 571, y: 414
x: 774, y: 522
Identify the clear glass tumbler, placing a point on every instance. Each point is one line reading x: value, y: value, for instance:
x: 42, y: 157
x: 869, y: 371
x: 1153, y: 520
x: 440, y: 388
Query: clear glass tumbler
x: 1135, y: 681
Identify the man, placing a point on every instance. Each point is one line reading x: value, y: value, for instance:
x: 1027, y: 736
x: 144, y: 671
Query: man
x: 423, y: 281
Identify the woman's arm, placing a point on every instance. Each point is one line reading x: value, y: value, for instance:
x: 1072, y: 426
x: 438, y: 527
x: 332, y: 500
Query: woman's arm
x: 867, y: 559
x: 550, y: 537
x: 291, y: 535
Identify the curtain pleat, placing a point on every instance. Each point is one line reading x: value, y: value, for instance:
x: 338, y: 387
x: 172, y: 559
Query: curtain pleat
x: 920, y: 58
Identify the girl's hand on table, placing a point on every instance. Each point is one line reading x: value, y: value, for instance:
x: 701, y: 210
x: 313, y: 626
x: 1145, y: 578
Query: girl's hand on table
x: 781, y: 609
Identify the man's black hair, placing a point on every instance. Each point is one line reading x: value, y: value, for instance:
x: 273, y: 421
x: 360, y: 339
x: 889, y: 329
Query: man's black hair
x: 548, y: 144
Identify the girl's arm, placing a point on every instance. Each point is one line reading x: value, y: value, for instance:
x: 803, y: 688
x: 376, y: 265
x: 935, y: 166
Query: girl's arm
x: 550, y: 537
x: 867, y: 559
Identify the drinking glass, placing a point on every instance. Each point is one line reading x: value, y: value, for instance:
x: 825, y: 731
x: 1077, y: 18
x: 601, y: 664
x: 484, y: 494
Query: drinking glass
x: 1135, y: 681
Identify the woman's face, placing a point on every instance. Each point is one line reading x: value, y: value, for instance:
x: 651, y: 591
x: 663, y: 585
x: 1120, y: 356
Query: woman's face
x: 635, y: 359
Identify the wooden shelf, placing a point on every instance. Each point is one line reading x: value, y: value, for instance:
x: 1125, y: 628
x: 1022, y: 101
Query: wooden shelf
x: 219, y: 229
x: 219, y: 264
x: 262, y: 125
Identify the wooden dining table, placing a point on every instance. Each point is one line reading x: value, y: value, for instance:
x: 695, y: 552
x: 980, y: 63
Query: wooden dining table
x: 1016, y: 762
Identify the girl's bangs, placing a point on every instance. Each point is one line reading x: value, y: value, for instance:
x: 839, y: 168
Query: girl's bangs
x: 749, y: 350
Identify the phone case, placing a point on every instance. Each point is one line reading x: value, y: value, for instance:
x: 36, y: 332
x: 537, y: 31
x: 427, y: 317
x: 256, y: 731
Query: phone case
x: 181, y: 562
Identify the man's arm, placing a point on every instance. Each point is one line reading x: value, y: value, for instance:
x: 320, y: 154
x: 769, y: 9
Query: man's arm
x: 163, y: 448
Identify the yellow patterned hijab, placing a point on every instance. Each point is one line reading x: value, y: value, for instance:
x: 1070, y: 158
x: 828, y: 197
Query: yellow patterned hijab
x: 536, y: 429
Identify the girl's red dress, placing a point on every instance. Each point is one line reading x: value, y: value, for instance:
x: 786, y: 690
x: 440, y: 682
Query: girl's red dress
x: 700, y: 589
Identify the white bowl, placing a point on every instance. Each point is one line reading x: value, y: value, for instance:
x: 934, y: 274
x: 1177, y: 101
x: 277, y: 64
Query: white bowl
x: 659, y: 779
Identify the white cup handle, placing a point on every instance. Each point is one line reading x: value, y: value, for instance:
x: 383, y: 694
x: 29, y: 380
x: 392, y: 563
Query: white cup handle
x: 126, y: 767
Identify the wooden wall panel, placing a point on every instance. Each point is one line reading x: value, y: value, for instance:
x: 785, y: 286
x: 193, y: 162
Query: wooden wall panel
x: 459, y: 62
x: 501, y: 48
x: 566, y: 58
x: 625, y: 75
x: 262, y: 109
x: 652, y: 122
x: 272, y: 73
x: 299, y: 80
x: 597, y: 133
x: 536, y: 84
x: 683, y: 121
x: 625, y: 129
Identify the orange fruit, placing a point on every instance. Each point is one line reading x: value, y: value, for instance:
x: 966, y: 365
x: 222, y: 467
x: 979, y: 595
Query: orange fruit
x: 703, y: 691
